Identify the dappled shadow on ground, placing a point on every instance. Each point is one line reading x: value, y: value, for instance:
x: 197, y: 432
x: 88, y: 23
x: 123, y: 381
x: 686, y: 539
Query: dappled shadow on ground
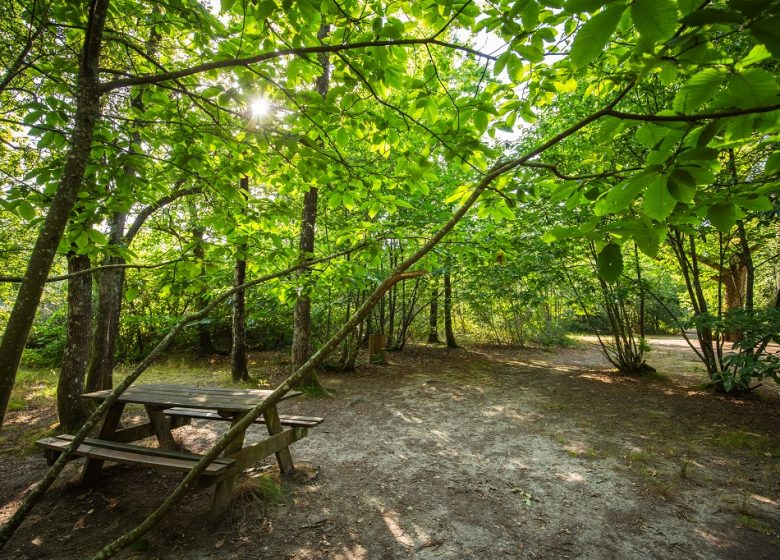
x: 480, y: 452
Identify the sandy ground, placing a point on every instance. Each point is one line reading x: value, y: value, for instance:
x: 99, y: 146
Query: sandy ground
x: 470, y: 453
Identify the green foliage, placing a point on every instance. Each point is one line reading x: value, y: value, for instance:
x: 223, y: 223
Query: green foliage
x: 750, y: 360
x: 609, y: 262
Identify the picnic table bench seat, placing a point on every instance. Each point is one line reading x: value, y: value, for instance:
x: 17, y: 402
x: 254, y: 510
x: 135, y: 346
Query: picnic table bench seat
x: 133, y: 454
x: 207, y: 414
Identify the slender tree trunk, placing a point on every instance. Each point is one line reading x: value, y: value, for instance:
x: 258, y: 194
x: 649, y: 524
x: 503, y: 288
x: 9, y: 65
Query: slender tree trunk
x: 747, y: 281
x: 451, y: 342
x: 433, y: 319
x: 205, y: 343
x: 71, y: 408
x: 301, y: 344
x: 110, y: 284
x: 641, y: 295
x: 42, y: 256
x: 238, y: 358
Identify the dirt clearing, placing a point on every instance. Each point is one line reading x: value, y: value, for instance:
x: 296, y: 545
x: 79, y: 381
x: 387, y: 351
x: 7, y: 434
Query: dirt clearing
x: 472, y: 453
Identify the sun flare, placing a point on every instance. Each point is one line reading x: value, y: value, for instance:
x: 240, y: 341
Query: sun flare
x: 259, y: 107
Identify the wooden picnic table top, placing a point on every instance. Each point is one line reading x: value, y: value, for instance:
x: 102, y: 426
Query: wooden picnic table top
x: 167, y: 396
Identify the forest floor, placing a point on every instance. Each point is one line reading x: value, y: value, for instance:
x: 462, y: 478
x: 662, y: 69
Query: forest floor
x: 480, y: 452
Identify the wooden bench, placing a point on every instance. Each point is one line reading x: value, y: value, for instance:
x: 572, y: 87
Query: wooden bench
x: 206, y: 414
x: 133, y: 454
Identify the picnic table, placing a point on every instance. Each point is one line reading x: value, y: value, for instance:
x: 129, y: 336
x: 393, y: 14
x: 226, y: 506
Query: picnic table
x: 171, y: 406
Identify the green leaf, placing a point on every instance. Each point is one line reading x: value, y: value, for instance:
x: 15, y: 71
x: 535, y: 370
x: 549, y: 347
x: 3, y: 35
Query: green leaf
x: 772, y: 164
x: 658, y: 201
x: 682, y: 186
x: 26, y: 210
x: 654, y: 19
x: 621, y: 195
x: 593, y: 35
x: 579, y: 6
x: 754, y: 87
x: 648, y: 239
x: 722, y: 215
x: 131, y: 293
x: 609, y: 262
x: 650, y: 135
x: 82, y: 239
x: 754, y: 202
x: 759, y: 53
x: 767, y: 31
x: 710, y: 131
x: 711, y: 15
x: 698, y: 90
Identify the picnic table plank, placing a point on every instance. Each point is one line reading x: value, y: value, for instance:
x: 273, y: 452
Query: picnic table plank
x: 95, y: 449
x: 205, y: 414
x: 169, y: 396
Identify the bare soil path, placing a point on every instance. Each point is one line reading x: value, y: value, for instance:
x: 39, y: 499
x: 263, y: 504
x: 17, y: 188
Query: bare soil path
x: 471, y: 453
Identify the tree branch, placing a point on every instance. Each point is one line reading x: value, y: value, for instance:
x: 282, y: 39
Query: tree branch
x: 238, y: 62
x: 144, y: 214
x: 692, y: 118
x: 19, y: 279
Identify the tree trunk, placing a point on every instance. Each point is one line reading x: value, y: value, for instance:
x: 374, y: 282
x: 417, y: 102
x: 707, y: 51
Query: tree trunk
x: 110, y: 285
x: 301, y: 344
x: 451, y: 342
x: 433, y: 319
x: 71, y: 408
x: 205, y: 344
x: 42, y: 256
x: 641, y: 325
x: 238, y: 358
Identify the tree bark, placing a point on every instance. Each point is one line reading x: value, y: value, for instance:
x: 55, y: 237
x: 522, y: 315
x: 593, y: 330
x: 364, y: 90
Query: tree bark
x: 433, y: 319
x: 110, y: 284
x: 301, y: 343
x: 451, y: 342
x: 205, y: 343
x: 238, y: 358
x: 42, y: 256
x: 71, y: 408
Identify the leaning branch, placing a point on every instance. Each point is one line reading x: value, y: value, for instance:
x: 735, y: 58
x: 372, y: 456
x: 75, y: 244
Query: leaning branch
x: 692, y: 118
x: 18, y: 279
x: 566, y: 177
x: 247, y: 61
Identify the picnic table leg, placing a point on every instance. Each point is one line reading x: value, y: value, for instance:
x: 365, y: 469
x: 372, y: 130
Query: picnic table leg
x: 162, y: 428
x: 223, y: 493
x: 93, y: 467
x: 274, y: 425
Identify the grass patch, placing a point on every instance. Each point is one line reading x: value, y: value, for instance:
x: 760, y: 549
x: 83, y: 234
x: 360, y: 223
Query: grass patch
x: 637, y: 457
x: 741, y: 439
x: 184, y: 370
x: 754, y: 524
x: 33, y: 387
x: 23, y: 443
x: 262, y: 488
